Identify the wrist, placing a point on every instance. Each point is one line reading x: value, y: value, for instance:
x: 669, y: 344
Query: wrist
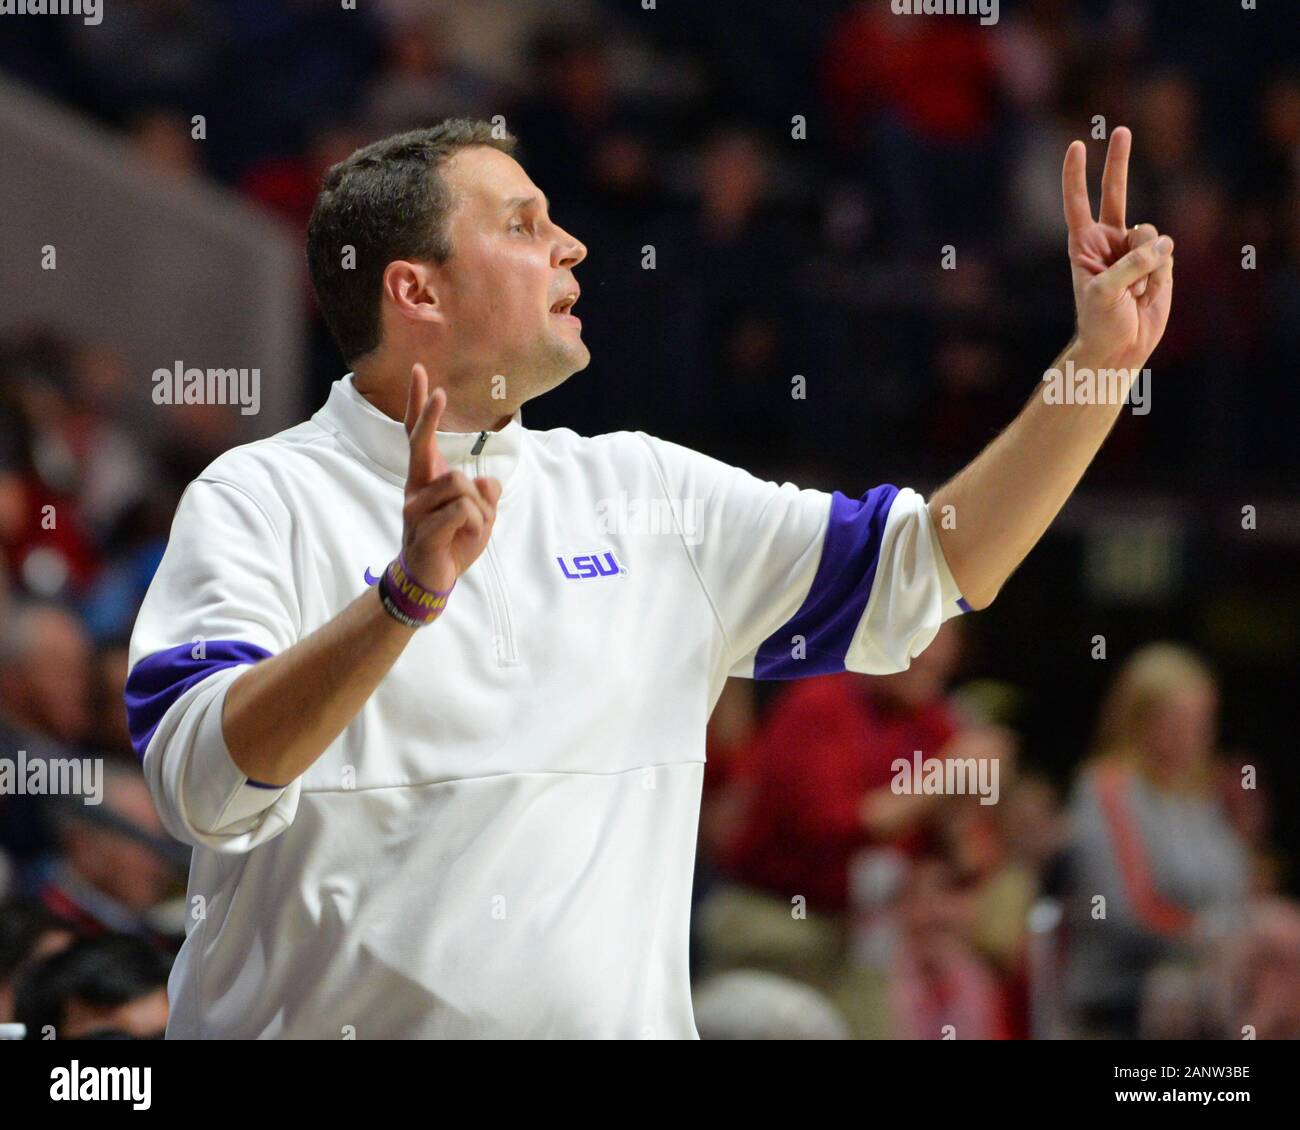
x: 391, y: 625
x: 1095, y: 355
x: 406, y: 599
x: 1091, y: 376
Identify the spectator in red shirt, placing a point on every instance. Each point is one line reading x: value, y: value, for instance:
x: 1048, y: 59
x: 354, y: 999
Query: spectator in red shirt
x: 814, y: 786
x: 875, y: 61
x: 937, y: 148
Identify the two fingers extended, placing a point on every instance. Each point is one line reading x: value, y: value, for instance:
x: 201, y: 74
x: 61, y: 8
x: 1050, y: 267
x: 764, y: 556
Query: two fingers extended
x: 1114, y: 183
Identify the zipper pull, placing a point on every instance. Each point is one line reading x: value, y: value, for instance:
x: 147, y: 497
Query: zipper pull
x: 478, y: 443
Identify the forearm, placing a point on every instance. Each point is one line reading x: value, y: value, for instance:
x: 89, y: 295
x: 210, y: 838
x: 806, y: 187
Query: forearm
x: 992, y: 514
x: 282, y: 713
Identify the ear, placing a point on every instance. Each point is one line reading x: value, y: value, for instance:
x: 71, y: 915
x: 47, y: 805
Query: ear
x: 409, y: 289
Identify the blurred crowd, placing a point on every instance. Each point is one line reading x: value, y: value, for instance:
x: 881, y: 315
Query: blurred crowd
x: 1143, y: 900
x: 799, y: 171
x: 827, y: 903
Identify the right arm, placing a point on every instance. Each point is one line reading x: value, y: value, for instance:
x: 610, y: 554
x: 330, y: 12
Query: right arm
x: 283, y: 713
x: 228, y: 701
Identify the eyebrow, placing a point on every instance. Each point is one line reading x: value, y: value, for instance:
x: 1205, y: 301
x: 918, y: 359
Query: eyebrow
x: 519, y: 202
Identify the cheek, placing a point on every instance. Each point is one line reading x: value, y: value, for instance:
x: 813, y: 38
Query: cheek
x: 525, y: 284
x: 505, y: 307
x: 501, y: 299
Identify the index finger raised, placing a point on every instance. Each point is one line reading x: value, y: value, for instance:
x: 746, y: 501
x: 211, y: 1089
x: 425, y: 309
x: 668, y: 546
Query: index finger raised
x: 1074, y: 187
x: 426, y: 462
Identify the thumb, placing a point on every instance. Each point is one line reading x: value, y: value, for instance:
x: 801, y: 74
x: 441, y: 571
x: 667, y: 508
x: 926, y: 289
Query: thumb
x: 1137, y: 236
x: 1137, y: 264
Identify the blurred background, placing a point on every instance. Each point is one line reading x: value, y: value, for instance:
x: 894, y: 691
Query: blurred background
x: 1133, y: 679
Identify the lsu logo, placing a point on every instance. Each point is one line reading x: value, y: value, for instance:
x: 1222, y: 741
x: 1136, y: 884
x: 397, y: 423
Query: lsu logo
x: 589, y: 565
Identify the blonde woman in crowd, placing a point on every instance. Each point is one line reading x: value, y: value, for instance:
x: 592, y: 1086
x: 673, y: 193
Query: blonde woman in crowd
x: 1157, y: 871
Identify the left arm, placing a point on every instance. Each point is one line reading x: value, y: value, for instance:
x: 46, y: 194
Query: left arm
x: 1005, y: 499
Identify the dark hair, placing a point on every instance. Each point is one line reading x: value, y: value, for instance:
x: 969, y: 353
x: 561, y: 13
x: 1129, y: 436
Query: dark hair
x: 388, y: 201
x: 23, y: 920
x: 107, y: 971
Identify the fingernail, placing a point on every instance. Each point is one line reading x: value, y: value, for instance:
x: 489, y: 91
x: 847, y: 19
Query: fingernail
x: 1163, y: 244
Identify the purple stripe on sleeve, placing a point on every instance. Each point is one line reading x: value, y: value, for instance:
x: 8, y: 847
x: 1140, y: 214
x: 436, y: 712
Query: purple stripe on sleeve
x: 160, y: 679
x: 830, y: 613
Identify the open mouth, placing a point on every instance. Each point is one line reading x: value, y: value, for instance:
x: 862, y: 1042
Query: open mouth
x: 564, y: 307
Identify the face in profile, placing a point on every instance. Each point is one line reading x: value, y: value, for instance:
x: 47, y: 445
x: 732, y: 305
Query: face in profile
x: 508, y: 290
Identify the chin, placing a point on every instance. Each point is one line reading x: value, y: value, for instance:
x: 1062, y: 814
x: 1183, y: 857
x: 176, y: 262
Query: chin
x: 551, y: 366
x: 582, y: 360
x: 572, y: 364
x: 569, y: 358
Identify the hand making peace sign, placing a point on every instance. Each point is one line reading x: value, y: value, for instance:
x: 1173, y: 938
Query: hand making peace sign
x: 1123, y: 277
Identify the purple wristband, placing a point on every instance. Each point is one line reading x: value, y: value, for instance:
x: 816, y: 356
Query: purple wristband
x: 407, y: 599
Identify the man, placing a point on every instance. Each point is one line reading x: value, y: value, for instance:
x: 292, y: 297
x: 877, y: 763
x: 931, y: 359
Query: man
x: 115, y: 865
x: 466, y: 804
x: 45, y: 677
x: 110, y: 987
x: 28, y: 932
x: 45, y: 696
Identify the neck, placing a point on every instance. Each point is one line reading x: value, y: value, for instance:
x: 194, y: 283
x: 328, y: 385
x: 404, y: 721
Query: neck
x: 470, y: 408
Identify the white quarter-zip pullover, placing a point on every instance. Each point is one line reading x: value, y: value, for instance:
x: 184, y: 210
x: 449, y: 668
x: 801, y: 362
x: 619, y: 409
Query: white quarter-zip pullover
x: 501, y: 842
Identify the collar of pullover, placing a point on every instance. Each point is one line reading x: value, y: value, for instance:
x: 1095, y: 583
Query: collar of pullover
x: 382, y: 440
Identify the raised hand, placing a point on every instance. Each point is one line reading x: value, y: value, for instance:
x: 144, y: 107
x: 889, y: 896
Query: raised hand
x: 1123, y: 278
x: 448, y: 517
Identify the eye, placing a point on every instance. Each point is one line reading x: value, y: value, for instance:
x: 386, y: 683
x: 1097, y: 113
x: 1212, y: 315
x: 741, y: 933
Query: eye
x: 517, y: 225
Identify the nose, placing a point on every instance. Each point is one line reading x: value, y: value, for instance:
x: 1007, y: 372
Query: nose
x: 569, y: 250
